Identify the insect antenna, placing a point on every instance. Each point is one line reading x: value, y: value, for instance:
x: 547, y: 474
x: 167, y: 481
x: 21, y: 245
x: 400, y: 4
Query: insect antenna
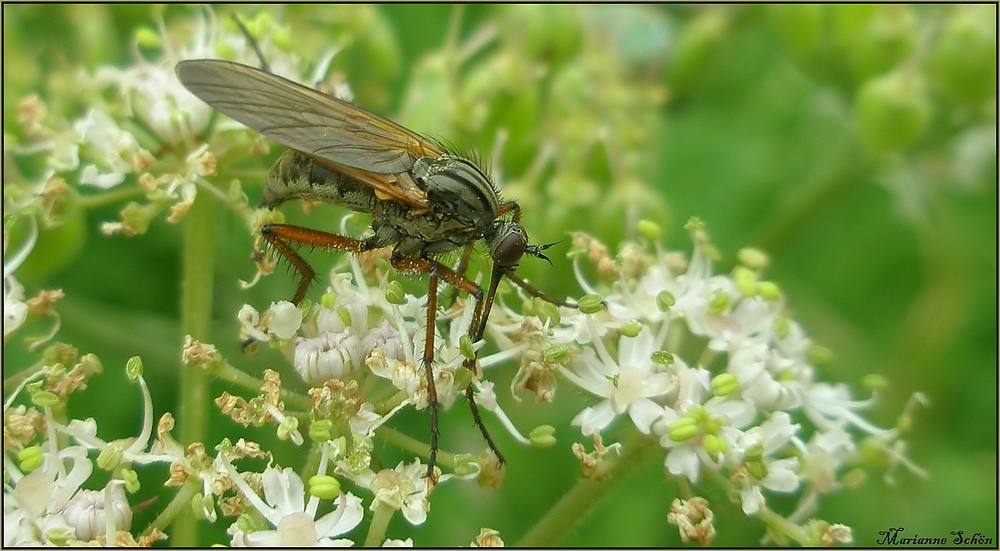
x: 253, y: 43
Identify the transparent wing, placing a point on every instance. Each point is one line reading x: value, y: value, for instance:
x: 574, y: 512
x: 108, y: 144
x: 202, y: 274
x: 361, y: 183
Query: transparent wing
x: 305, y: 119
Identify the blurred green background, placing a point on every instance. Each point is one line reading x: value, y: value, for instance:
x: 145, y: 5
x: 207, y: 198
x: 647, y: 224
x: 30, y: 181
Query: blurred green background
x: 855, y: 144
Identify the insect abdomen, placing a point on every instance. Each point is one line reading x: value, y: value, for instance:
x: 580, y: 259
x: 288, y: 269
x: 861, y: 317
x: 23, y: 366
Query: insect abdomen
x: 295, y: 175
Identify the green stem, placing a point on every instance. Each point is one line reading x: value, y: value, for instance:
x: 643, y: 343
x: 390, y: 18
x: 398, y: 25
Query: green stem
x: 181, y: 502
x: 832, y: 177
x: 112, y: 197
x: 396, y: 438
x: 228, y: 373
x: 379, y: 525
x: 784, y: 526
x: 196, y: 320
x: 581, y: 501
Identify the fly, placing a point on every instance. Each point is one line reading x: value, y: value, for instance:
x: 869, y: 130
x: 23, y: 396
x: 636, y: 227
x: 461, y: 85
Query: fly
x: 423, y: 200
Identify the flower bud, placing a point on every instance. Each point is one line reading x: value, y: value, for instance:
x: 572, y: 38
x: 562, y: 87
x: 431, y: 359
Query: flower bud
x: 892, y: 111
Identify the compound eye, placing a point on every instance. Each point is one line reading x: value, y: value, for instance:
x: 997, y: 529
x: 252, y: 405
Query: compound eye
x: 509, y: 250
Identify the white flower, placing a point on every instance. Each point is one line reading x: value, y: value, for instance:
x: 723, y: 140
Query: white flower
x: 830, y: 406
x: 755, y: 366
x: 719, y: 418
x: 823, y: 456
x: 249, y: 319
x: 155, y: 95
x: 329, y: 356
x: 34, y: 499
x: 780, y: 475
x: 285, y: 319
x: 15, y: 309
x: 403, y: 488
x: 113, y: 150
x: 293, y: 516
x: 627, y: 385
x: 86, y: 512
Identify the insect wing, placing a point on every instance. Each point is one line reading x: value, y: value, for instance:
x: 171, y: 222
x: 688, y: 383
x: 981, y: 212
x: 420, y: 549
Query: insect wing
x: 381, y: 151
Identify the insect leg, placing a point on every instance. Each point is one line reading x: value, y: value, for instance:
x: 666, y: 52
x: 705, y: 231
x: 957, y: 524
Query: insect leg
x: 463, y: 265
x: 432, y: 399
x: 436, y: 271
x: 476, y: 330
x: 536, y: 293
x: 280, y: 235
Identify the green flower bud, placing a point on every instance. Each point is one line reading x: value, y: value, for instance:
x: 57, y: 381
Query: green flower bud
x: 745, y: 280
x: 591, y: 304
x: 31, y: 458
x: 753, y: 452
x: 631, y: 329
x: 282, y: 38
x: 345, y: 315
x: 820, y: 355
x: 550, y: 33
x: 466, y: 464
x: 662, y: 357
x: 875, y: 381
x: 546, y: 311
x: 683, y: 429
x: 892, y: 111
x: 757, y: 469
x: 854, y: 478
x: 782, y: 327
x: 91, y: 364
x: 465, y: 345
x: 110, y: 457
x: 887, y: 39
x: 133, y: 368
x: 463, y: 378
x: 964, y: 56
x: 649, y: 229
x: 718, y: 301
x: 321, y: 430
x: 711, y: 425
x: 201, y: 503
x: 287, y: 427
x: 324, y: 486
x: 147, y: 38
x: 60, y: 537
x: 542, y: 436
x: 713, y: 444
x: 558, y: 354
x: 665, y: 300
x: 131, y: 479
x: 768, y: 290
x: 752, y: 258
x: 724, y: 384
x: 45, y: 399
x: 395, y: 293
x: 246, y: 524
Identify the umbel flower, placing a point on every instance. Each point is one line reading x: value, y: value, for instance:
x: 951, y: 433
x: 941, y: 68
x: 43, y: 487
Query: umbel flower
x: 745, y: 404
x: 708, y: 369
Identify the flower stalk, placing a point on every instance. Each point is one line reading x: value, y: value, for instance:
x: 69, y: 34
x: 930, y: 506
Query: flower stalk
x: 588, y: 493
x: 196, y: 321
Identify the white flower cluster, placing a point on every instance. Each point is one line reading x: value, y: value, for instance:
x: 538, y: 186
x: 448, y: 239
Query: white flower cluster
x: 708, y: 366
x: 707, y: 363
